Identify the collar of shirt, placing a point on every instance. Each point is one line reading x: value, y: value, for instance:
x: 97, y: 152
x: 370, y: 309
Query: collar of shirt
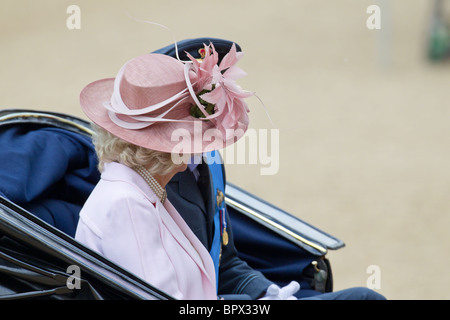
x: 195, y: 160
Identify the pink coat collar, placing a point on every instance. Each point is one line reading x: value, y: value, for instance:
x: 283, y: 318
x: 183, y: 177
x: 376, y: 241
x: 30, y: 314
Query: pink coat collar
x: 170, y: 217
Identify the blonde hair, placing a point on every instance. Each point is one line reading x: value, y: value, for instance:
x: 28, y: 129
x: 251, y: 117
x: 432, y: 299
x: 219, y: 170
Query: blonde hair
x: 110, y: 148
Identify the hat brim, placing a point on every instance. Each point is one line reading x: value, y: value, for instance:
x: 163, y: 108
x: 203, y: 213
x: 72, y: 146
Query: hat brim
x: 194, y: 136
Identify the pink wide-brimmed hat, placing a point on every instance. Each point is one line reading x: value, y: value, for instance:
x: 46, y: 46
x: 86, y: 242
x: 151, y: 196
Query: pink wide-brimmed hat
x: 162, y: 103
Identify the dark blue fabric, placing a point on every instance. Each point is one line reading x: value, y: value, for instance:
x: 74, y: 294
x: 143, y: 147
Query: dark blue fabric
x: 192, y: 46
x: 355, y: 293
x: 48, y: 171
x: 276, y: 257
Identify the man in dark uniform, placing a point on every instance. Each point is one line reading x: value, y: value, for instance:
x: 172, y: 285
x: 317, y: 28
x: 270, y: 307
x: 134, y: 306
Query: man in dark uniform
x: 194, y: 200
x: 191, y: 192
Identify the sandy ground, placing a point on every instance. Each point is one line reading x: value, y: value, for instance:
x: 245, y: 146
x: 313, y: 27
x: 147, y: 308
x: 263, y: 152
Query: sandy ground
x: 363, y: 117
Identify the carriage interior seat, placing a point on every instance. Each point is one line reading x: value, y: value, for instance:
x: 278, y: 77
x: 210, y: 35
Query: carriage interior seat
x: 47, y: 170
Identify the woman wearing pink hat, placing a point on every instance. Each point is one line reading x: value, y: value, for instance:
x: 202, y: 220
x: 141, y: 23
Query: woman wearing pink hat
x: 156, y: 109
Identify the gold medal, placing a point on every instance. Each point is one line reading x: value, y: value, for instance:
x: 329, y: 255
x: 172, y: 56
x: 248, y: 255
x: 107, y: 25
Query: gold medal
x: 219, y: 198
x: 225, y: 237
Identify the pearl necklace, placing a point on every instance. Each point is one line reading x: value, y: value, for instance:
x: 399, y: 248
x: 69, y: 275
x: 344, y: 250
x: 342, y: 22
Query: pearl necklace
x: 153, y: 184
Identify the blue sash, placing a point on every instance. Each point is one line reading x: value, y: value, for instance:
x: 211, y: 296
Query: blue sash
x: 215, y: 167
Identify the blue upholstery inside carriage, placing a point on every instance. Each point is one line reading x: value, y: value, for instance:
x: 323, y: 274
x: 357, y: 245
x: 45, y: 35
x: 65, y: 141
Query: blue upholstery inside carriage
x: 48, y: 171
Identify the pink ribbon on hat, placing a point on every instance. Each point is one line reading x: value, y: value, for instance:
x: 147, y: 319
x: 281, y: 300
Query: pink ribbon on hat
x: 219, y: 80
x: 116, y: 106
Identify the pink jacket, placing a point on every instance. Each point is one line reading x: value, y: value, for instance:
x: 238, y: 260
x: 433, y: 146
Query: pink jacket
x: 124, y: 221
